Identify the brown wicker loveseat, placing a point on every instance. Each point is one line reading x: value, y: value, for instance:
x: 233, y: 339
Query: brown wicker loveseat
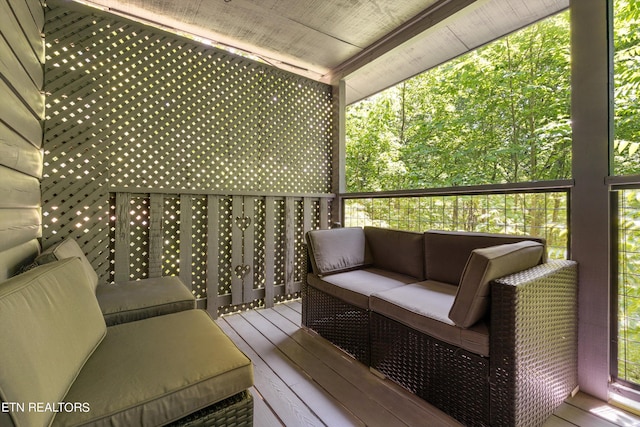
x: 479, y: 325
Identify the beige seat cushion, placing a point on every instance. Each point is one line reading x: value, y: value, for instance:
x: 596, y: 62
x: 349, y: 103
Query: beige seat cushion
x: 68, y: 248
x: 157, y: 370
x: 355, y: 286
x: 336, y: 250
x: 484, y: 265
x: 425, y: 307
x: 140, y: 299
x: 51, y: 325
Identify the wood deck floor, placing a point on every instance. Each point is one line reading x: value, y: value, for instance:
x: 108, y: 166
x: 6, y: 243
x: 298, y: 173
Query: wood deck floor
x: 303, y: 380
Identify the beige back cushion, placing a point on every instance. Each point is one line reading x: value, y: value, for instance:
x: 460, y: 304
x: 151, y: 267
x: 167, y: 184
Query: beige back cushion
x: 336, y: 250
x: 484, y: 265
x: 69, y: 248
x: 51, y: 324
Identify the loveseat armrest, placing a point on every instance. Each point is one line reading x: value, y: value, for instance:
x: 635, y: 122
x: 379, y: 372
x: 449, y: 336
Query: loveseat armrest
x: 533, y: 344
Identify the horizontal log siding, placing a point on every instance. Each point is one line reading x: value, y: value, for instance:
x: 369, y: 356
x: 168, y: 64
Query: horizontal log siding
x: 21, y: 118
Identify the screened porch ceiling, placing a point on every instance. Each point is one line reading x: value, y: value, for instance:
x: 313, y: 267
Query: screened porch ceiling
x: 371, y: 44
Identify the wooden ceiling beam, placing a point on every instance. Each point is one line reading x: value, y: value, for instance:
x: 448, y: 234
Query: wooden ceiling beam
x: 418, y: 24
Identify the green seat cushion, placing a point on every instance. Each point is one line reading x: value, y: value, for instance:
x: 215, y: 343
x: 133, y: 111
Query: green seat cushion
x: 157, y: 370
x: 68, y: 248
x: 128, y: 301
x: 51, y: 324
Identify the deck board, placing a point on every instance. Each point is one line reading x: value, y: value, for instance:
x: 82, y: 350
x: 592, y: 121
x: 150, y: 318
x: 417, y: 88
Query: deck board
x: 303, y: 380
x: 276, y: 394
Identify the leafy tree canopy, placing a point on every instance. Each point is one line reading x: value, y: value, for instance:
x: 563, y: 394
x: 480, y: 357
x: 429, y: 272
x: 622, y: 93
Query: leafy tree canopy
x: 495, y: 115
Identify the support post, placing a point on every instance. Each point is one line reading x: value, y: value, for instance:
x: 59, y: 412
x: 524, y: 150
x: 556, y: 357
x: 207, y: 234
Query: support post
x: 338, y: 179
x: 590, y: 216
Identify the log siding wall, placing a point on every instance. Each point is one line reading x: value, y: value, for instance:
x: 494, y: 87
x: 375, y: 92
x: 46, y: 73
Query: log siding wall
x: 21, y: 117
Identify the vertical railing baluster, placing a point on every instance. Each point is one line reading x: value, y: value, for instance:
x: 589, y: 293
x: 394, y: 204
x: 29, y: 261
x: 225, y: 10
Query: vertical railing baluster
x: 213, y: 250
x: 324, y: 213
x: 237, y: 264
x: 186, y: 247
x: 123, y: 237
x: 307, y: 214
x: 290, y: 242
x: 269, y: 251
x: 155, y: 234
x: 248, y: 249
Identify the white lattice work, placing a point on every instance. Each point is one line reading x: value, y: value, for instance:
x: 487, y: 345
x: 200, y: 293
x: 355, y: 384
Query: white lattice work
x: 134, y: 107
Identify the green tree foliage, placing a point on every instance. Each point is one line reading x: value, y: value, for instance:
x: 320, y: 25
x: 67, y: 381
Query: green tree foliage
x: 496, y: 115
x: 627, y: 85
x: 499, y: 114
x: 627, y: 162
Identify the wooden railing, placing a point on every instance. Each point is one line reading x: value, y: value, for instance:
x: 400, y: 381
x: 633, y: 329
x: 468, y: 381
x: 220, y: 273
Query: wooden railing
x: 233, y: 249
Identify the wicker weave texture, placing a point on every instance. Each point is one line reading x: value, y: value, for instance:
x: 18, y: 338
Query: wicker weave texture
x: 533, y: 343
x: 532, y: 366
x: 453, y: 380
x: 345, y: 325
x: 235, y: 411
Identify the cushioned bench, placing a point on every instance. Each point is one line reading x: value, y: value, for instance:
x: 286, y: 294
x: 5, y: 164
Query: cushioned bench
x: 478, y: 324
x: 55, y: 348
x: 123, y: 302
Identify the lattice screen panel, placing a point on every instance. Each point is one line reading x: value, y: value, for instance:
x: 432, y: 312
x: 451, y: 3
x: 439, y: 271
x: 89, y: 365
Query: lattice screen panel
x: 131, y: 106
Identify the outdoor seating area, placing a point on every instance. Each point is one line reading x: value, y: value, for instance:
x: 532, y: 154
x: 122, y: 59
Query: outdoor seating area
x: 318, y: 213
x: 479, y: 325
x: 124, y: 302
x: 55, y: 331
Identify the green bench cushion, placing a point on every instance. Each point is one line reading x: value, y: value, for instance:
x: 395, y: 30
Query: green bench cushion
x: 157, y: 370
x: 126, y: 301
x: 68, y: 248
x: 140, y: 299
x: 51, y: 324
